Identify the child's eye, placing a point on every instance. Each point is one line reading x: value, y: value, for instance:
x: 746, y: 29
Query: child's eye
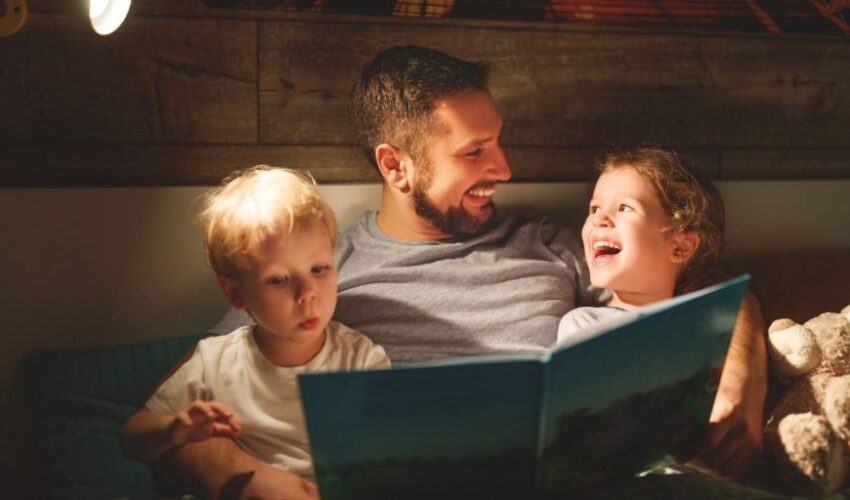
x: 593, y: 209
x: 278, y: 281
x: 320, y: 270
x: 625, y: 208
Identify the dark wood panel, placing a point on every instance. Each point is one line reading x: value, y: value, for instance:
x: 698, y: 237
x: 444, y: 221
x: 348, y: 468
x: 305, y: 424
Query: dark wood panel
x: 796, y: 164
x: 155, y: 80
x: 579, y: 89
x: 535, y: 164
x: 103, y: 110
x: 163, y: 165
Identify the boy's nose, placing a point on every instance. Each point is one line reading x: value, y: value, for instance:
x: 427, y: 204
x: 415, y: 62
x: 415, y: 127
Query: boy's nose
x: 600, y: 220
x: 307, y: 293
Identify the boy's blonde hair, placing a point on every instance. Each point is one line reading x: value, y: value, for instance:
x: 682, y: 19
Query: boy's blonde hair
x: 253, y: 205
x: 690, y: 201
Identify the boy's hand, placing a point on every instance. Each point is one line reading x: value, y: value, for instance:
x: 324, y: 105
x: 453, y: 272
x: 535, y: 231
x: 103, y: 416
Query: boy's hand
x: 202, y: 420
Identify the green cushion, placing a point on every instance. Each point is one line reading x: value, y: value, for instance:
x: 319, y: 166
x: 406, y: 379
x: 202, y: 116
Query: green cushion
x: 80, y: 400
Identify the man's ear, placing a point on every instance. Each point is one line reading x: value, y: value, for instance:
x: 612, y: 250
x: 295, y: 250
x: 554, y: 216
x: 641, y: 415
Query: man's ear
x: 684, y: 246
x: 232, y: 292
x: 394, y: 166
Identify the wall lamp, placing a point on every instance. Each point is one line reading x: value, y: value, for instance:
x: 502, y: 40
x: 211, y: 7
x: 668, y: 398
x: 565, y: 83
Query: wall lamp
x: 105, y: 16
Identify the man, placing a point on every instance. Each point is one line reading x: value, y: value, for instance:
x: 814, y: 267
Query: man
x: 436, y: 273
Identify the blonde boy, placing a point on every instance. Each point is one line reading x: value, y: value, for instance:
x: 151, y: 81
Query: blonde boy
x: 269, y: 238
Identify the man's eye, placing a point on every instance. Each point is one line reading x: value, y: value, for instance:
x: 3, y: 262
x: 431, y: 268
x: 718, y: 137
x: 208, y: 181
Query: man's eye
x: 625, y: 208
x: 278, y: 280
x: 475, y: 153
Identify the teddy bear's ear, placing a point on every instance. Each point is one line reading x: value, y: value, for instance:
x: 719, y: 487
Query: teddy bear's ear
x: 793, y: 348
x: 846, y: 312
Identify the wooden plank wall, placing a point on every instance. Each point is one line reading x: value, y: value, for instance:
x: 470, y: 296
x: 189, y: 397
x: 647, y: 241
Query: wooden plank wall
x: 182, y: 94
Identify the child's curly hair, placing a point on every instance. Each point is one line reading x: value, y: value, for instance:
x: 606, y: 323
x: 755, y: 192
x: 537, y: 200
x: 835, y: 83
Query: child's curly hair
x: 691, y: 202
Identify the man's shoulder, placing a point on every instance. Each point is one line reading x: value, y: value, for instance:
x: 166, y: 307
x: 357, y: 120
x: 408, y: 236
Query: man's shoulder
x: 358, y: 228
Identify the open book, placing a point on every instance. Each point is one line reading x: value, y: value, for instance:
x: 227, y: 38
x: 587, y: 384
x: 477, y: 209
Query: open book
x: 617, y: 397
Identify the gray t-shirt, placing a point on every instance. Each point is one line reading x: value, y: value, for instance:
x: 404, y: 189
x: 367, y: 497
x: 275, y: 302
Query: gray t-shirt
x: 501, y: 291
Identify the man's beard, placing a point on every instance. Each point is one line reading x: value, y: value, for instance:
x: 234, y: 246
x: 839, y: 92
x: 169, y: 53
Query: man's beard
x: 455, y: 221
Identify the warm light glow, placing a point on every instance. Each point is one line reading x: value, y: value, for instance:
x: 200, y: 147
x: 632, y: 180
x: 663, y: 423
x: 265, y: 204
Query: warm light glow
x: 107, y: 15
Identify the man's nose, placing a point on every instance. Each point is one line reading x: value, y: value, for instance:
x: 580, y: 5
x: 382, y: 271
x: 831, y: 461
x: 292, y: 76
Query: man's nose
x: 500, y: 170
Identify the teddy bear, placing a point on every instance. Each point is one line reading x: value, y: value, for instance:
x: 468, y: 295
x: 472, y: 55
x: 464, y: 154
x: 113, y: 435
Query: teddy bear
x: 807, y: 433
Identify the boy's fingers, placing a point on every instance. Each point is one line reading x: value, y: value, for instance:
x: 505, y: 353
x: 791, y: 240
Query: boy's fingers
x: 183, y: 419
x: 223, y: 430
x: 201, y: 414
x: 220, y: 409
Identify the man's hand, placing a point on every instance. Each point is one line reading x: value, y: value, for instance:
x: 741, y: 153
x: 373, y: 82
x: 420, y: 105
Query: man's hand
x: 734, y: 434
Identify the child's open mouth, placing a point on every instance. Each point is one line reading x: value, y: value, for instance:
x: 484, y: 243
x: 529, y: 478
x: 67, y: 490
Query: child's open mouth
x: 603, y: 250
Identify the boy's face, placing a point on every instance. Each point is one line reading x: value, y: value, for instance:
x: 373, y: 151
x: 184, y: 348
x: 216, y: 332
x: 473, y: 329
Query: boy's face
x: 454, y: 183
x: 625, y: 244
x: 291, y: 289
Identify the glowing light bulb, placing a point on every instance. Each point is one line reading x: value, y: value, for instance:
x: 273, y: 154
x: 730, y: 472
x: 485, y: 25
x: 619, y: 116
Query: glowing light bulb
x: 107, y: 15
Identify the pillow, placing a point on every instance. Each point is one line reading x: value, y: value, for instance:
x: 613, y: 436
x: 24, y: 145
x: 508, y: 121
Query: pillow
x: 80, y: 400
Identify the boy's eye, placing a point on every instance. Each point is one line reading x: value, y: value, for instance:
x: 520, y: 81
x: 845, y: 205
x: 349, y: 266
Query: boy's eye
x: 278, y: 280
x: 320, y: 270
x: 593, y: 209
x: 625, y: 208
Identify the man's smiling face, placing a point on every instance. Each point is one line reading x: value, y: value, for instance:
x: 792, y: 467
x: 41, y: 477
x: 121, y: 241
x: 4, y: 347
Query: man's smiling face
x: 462, y: 165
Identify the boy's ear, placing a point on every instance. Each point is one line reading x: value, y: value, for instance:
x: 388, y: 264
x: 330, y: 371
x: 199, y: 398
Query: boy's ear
x: 684, y: 246
x: 394, y: 166
x: 232, y: 292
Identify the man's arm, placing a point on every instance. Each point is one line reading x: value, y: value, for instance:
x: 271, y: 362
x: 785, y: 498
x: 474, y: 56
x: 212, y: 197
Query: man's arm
x: 734, y: 436
x: 218, y: 468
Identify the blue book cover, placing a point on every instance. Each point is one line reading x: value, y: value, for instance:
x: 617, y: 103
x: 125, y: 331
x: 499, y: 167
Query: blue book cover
x: 619, y: 395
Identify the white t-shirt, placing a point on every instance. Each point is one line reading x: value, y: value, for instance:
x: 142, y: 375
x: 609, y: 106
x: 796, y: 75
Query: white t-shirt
x: 263, y: 396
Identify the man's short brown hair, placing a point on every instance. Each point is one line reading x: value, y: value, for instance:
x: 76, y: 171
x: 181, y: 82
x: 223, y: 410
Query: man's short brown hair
x: 392, y: 100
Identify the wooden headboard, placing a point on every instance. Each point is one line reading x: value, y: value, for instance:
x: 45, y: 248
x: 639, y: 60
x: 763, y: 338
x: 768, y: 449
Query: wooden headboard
x: 800, y: 285
x: 182, y: 94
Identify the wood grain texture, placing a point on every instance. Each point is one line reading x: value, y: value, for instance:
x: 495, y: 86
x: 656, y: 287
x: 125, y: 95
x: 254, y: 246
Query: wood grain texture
x: 183, y: 96
x: 580, y: 89
x: 155, y: 80
x: 38, y: 165
x: 163, y: 165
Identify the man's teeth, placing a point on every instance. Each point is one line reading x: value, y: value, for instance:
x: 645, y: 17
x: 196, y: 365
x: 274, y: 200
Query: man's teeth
x: 482, y: 191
